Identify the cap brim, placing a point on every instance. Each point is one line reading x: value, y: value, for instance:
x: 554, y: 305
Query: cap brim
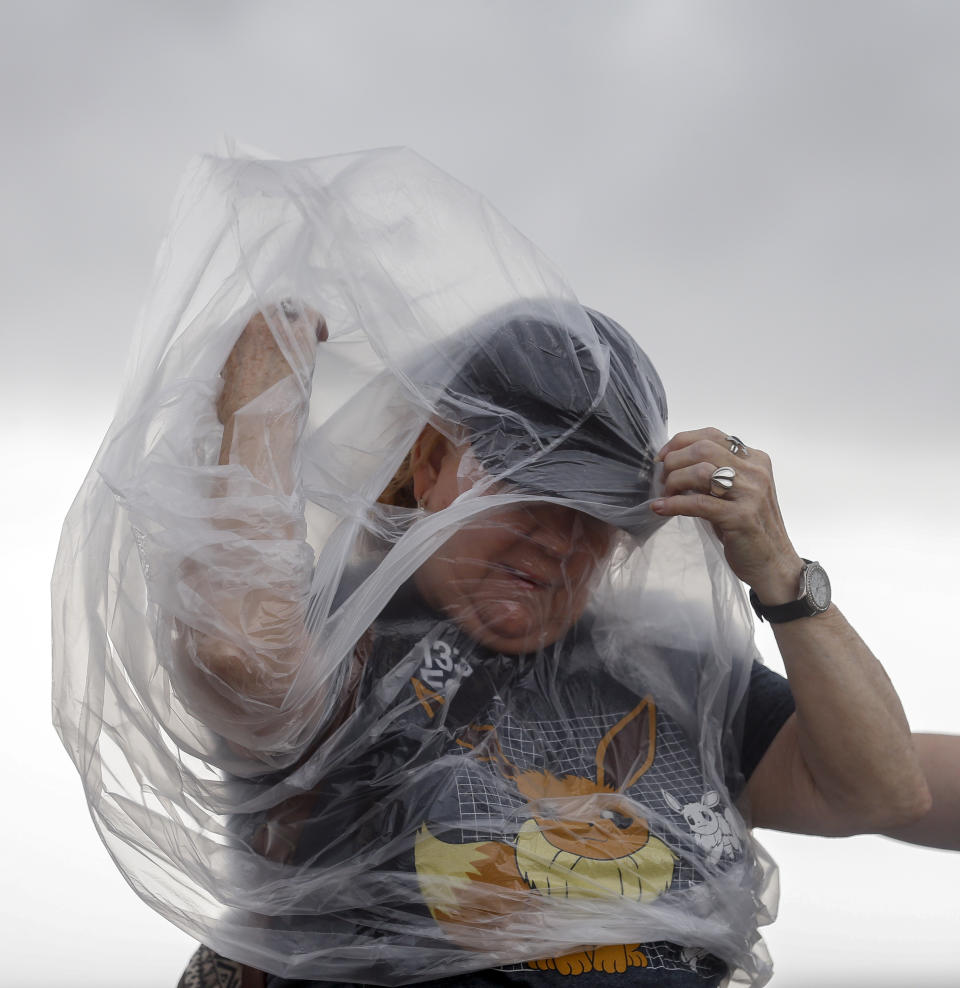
x: 615, y: 492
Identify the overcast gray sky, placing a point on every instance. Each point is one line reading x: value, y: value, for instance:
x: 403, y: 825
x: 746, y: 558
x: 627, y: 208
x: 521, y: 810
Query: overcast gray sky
x: 769, y: 182
x: 765, y: 193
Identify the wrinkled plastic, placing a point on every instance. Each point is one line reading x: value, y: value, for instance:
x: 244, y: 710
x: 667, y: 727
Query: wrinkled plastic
x: 336, y: 738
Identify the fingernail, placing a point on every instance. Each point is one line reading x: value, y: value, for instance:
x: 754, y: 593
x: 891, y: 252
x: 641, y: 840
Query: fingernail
x: 657, y: 505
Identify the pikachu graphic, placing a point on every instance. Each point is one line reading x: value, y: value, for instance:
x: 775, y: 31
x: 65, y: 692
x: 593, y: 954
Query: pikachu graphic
x: 582, y: 838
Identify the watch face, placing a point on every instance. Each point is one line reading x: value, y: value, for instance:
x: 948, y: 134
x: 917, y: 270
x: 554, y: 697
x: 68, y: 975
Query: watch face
x: 818, y: 587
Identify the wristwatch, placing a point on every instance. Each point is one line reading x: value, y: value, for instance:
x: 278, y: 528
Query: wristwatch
x: 814, y: 597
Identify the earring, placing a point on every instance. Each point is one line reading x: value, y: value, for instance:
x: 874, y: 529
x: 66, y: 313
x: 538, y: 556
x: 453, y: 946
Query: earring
x: 420, y: 506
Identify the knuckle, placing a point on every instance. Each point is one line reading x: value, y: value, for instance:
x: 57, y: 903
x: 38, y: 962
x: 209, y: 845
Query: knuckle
x: 690, y: 437
x: 670, y: 485
x: 703, y: 448
x: 705, y: 503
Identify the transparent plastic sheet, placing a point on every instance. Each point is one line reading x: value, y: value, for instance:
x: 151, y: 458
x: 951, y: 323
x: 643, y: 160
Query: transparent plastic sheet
x: 337, y: 738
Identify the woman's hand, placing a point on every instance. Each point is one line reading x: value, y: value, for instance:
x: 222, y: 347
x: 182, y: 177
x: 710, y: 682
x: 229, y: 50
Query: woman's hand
x: 255, y: 364
x: 256, y: 361
x: 746, y: 517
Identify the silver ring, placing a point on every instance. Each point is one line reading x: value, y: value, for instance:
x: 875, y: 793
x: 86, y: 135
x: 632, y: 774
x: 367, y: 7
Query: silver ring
x: 737, y: 446
x: 721, y: 480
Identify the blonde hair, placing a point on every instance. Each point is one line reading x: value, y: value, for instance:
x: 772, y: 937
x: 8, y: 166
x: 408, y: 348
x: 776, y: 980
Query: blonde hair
x: 400, y: 491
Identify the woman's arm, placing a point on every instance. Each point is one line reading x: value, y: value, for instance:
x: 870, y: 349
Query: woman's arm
x: 844, y: 763
x: 940, y: 826
x: 259, y: 640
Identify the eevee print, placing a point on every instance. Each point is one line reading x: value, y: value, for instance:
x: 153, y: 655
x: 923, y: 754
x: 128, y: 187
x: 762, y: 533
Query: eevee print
x: 713, y: 830
x: 583, y: 838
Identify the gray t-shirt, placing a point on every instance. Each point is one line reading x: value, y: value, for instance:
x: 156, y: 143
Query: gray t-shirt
x: 454, y: 692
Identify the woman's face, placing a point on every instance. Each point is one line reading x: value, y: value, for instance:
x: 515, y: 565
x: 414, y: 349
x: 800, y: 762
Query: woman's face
x: 514, y: 578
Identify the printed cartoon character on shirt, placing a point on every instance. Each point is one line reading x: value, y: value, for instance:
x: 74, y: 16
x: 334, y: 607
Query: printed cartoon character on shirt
x: 582, y: 838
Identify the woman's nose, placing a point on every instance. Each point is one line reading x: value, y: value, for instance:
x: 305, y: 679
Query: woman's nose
x: 555, y: 529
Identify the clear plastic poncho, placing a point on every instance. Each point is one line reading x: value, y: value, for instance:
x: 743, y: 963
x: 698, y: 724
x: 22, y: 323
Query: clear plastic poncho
x: 336, y: 734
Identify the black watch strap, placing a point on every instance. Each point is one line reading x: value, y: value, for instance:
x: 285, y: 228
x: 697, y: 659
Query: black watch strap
x: 804, y: 606
x: 778, y: 613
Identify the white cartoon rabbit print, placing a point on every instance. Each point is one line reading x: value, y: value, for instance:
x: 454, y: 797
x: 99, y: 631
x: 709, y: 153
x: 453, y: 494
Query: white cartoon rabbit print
x: 714, y: 830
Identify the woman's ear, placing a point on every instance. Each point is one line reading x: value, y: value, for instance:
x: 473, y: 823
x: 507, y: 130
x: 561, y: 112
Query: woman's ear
x: 426, y: 461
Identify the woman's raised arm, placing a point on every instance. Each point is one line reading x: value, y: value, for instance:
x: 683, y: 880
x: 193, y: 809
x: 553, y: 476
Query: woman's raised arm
x: 258, y: 638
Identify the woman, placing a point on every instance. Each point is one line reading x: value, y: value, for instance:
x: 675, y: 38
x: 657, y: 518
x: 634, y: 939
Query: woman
x: 410, y: 680
x: 517, y: 580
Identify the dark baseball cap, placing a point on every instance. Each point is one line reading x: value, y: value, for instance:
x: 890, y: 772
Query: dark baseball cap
x: 567, y: 406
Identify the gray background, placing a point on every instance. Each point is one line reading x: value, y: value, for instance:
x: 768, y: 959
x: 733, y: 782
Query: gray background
x: 764, y: 193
